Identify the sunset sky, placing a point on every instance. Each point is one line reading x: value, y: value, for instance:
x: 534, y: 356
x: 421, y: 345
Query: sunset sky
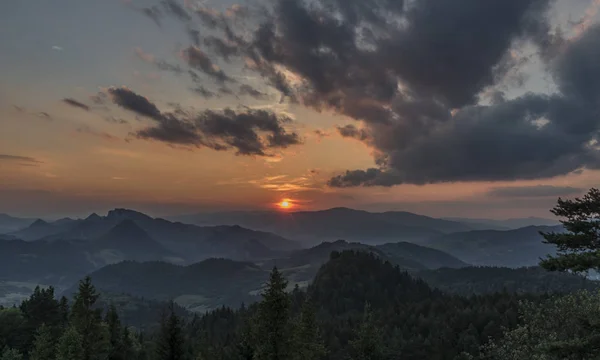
x: 446, y: 108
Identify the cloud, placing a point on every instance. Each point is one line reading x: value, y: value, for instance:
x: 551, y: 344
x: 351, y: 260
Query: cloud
x: 160, y: 64
x: 57, y: 48
x: 252, y: 92
x: 204, y: 92
x: 535, y: 191
x: 154, y: 14
x: 76, y: 104
x: 100, y: 134
x: 131, y: 101
x: 249, y: 132
x: 198, y: 60
x: 172, y: 7
x: 351, y: 131
x: 23, y: 160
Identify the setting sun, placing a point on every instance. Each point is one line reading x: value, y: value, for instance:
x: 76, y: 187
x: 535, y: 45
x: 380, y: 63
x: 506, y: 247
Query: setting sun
x: 285, y: 204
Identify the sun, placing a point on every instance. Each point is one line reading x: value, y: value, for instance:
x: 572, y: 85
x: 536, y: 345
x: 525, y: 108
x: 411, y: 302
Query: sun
x: 285, y: 204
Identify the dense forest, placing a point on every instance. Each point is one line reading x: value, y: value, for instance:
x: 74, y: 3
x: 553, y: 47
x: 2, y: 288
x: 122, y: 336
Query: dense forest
x: 357, y: 307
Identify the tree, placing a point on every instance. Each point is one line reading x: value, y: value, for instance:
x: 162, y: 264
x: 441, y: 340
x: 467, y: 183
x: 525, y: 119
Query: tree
x: 367, y: 343
x: 70, y: 346
x: 563, y: 327
x: 307, y: 341
x: 171, y: 343
x: 273, y: 320
x: 114, y: 333
x: 43, y: 345
x: 11, y: 354
x: 579, y: 247
x: 247, y: 345
x: 87, y: 320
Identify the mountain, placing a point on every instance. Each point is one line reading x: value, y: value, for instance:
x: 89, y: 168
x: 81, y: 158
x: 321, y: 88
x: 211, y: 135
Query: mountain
x: 312, y: 227
x: 468, y: 281
x: 428, y: 257
x: 197, y: 287
x: 189, y: 242
x: 9, y: 223
x: 508, y: 224
x: 127, y: 241
x: 43, y: 262
x: 38, y: 229
x: 510, y: 248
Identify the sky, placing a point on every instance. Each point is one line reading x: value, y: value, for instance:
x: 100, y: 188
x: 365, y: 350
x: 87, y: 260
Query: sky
x: 444, y: 108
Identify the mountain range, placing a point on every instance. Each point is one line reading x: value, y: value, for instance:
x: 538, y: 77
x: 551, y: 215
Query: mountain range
x: 510, y: 248
x: 313, y: 227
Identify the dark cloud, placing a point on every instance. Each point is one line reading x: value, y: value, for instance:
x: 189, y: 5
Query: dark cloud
x: 174, y: 8
x: 154, y: 14
x: 249, y: 132
x: 198, y: 60
x: 20, y: 159
x: 204, y: 92
x: 131, y: 101
x: 535, y: 191
x: 76, y: 104
x: 221, y: 47
x: 352, y: 131
x: 412, y: 74
x: 194, y: 35
x: 248, y: 90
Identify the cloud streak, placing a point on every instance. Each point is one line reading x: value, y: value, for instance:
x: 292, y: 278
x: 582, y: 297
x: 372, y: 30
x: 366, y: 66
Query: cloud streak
x: 22, y: 160
x: 76, y: 104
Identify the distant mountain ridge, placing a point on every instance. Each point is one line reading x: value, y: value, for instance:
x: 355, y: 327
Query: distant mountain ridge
x: 511, y: 248
x: 10, y: 223
x: 313, y: 227
x: 190, y: 242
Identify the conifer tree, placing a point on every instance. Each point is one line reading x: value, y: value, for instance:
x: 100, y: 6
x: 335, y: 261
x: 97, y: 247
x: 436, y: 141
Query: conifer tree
x: 247, y: 345
x: 307, y: 341
x: 171, y: 343
x: 114, y: 333
x: 43, y: 346
x: 367, y: 343
x: 273, y: 330
x: 70, y: 346
x: 578, y: 247
x: 127, y: 346
x: 11, y: 354
x: 63, y: 306
x: 87, y: 320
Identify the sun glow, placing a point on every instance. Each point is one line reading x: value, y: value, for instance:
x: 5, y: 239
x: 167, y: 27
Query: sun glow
x: 285, y: 204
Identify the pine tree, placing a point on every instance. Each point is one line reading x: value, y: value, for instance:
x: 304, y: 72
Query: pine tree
x: 367, y: 344
x: 115, y: 334
x: 64, y: 312
x: 171, y: 343
x: 579, y: 247
x: 11, y: 354
x: 87, y: 320
x: 127, y: 346
x: 307, y: 341
x: 273, y: 328
x: 70, y: 346
x: 247, y: 345
x: 43, y: 346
